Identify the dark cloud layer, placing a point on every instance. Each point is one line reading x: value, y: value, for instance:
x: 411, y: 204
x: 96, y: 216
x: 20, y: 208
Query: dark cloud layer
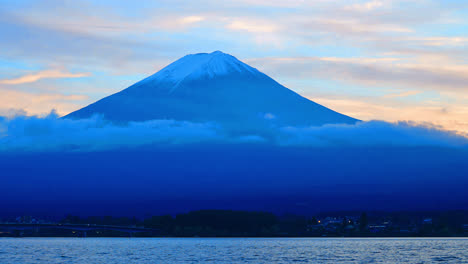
x: 92, y: 166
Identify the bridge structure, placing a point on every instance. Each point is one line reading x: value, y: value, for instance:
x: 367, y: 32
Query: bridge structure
x: 82, y: 228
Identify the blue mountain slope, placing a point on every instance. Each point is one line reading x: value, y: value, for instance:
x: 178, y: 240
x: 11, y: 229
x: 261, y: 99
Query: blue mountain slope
x: 214, y: 87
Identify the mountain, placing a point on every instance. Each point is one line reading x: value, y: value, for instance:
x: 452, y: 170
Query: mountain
x: 211, y: 87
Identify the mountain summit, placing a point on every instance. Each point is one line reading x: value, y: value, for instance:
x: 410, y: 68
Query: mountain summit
x: 211, y: 87
x: 202, y: 65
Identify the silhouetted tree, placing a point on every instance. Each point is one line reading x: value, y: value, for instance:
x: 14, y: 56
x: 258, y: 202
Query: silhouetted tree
x: 363, y: 222
x: 313, y: 221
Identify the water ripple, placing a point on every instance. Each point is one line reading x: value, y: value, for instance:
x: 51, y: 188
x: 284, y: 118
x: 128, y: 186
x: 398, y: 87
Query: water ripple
x: 232, y: 250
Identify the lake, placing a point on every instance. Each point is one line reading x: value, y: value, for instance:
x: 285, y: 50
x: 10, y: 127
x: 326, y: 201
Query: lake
x: 233, y: 250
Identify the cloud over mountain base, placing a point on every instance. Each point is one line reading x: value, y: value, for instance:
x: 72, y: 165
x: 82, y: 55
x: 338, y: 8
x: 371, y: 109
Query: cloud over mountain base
x: 49, y: 133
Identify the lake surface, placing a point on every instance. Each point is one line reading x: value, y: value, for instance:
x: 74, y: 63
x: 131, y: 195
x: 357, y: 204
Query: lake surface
x: 232, y: 250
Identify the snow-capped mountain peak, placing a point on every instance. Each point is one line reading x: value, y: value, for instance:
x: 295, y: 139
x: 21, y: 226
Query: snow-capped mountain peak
x: 202, y: 65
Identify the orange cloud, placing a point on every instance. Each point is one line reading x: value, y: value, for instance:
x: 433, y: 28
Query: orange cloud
x: 453, y: 117
x: 39, y: 103
x: 47, y: 74
x: 402, y: 94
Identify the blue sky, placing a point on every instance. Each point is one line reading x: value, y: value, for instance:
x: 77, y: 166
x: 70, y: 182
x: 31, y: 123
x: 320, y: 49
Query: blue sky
x: 389, y: 60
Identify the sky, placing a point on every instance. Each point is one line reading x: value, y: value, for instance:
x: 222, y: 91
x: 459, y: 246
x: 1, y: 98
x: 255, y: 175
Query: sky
x: 373, y: 60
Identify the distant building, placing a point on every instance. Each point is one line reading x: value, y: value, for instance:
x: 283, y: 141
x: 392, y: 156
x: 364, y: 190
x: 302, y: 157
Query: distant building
x: 406, y: 229
x: 314, y: 228
x: 427, y: 221
x: 377, y: 228
x: 465, y: 228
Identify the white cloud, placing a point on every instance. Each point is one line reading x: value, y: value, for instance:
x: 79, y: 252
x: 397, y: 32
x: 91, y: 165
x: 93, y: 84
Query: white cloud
x: 365, y: 7
x: 269, y: 116
x: 373, y: 133
x: 423, y: 73
x: 191, y: 19
x: 52, y: 133
x: 252, y: 26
